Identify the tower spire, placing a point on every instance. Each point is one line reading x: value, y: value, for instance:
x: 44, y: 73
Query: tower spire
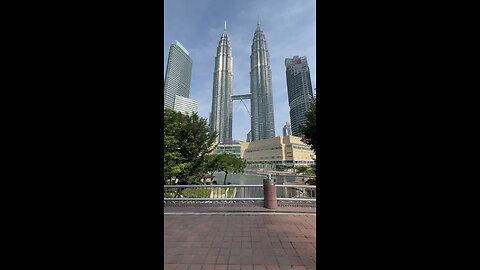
x: 261, y: 104
x: 220, y: 119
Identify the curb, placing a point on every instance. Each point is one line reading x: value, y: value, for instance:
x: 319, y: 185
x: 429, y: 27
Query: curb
x: 242, y: 213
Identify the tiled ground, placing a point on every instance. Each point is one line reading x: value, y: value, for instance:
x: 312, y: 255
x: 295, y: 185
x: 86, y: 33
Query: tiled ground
x: 250, y: 208
x: 267, y: 241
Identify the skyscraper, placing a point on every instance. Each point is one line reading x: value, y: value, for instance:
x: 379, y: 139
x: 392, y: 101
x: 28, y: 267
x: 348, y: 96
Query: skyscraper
x: 177, y: 77
x: 263, y: 124
x: 300, y: 93
x: 221, y: 114
x: 287, y: 130
x: 185, y: 105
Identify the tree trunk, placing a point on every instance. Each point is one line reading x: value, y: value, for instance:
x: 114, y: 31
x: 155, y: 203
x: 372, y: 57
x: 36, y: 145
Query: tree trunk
x: 177, y: 193
x: 225, y: 180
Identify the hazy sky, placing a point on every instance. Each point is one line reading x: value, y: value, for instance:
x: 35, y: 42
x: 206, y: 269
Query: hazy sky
x: 289, y: 28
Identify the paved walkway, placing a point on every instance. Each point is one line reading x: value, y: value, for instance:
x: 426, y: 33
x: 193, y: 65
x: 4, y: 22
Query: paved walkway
x: 239, y: 241
x: 231, y: 209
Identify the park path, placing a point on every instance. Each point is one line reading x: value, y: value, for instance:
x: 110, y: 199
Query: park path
x: 239, y: 241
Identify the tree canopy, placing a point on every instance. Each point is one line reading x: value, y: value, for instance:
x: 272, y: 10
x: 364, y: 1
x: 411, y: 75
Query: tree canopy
x: 172, y: 161
x: 229, y: 163
x: 211, y: 163
x: 302, y: 169
x: 310, y: 128
x: 187, y: 141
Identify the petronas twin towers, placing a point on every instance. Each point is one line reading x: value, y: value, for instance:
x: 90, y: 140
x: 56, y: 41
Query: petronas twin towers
x: 221, y: 114
x: 261, y: 99
x: 263, y: 126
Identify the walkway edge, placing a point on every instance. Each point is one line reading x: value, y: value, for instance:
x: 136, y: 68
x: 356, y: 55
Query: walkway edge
x: 241, y: 213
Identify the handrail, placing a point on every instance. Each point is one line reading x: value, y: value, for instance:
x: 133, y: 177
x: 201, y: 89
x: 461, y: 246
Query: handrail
x: 213, y: 199
x: 299, y: 186
x: 207, y: 186
x: 286, y: 192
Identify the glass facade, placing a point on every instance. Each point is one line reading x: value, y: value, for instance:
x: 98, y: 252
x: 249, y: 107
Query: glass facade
x: 233, y: 149
x: 300, y: 92
x: 178, y: 75
x: 221, y: 114
x: 249, y: 136
x: 185, y: 105
x: 263, y: 123
x: 287, y: 130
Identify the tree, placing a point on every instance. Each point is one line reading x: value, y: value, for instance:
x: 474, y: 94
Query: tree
x: 310, y: 128
x: 187, y: 142
x: 211, y: 163
x: 229, y: 163
x: 302, y: 169
x: 172, y: 164
x: 311, y: 181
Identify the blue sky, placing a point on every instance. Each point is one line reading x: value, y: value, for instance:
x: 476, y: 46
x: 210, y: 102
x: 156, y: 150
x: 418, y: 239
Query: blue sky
x: 289, y: 28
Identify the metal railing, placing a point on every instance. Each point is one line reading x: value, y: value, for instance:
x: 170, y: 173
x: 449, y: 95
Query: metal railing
x: 236, y: 192
x: 296, y: 192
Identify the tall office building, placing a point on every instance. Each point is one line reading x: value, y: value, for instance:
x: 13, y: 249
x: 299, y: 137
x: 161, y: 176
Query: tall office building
x: 300, y: 92
x: 287, y: 130
x: 263, y: 124
x: 177, y: 77
x: 249, y: 136
x: 185, y: 105
x: 221, y: 114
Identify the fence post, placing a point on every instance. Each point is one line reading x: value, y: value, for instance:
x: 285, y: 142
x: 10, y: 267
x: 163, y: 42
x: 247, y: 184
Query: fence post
x: 269, y: 193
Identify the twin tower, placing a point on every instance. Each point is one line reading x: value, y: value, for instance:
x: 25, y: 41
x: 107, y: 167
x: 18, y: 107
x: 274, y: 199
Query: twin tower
x: 261, y: 99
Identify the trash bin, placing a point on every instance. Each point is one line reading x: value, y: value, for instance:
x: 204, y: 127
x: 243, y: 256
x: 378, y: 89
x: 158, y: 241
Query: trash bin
x: 269, y: 193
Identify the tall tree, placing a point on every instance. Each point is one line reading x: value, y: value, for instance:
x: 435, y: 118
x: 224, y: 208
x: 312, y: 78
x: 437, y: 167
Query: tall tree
x: 211, y: 163
x: 229, y: 163
x: 310, y: 128
x: 172, y: 164
x: 187, y: 141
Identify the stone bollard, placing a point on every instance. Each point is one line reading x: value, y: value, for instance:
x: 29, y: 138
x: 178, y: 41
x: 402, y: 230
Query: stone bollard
x: 269, y: 193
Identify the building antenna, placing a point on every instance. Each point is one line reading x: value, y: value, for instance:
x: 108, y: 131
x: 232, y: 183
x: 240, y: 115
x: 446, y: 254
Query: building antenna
x: 225, y: 26
x: 258, y: 19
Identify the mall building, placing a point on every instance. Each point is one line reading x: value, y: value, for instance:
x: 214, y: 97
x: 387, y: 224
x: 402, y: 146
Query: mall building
x: 282, y: 151
x: 233, y: 149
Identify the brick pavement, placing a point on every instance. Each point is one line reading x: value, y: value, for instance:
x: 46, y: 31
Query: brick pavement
x: 196, y: 207
x: 230, y: 241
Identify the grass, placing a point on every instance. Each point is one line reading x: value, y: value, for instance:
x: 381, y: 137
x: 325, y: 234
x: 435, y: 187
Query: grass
x: 199, y: 192
x: 169, y: 195
x: 230, y: 192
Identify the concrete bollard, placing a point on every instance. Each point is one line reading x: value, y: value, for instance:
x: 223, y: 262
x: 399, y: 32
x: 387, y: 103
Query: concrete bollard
x: 269, y: 193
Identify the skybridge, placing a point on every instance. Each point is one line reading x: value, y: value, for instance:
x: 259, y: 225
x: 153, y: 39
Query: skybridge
x: 241, y: 98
